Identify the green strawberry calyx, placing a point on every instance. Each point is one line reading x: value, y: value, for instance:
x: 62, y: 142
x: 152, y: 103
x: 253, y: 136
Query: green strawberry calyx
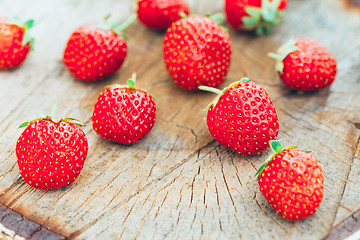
x: 27, y: 38
x: 220, y: 92
x: 117, y: 27
x: 262, y: 19
x: 218, y: 18
x: 42, y: 116
x: 130, y: 84
x: 276, y: 148
x: 283, y: 52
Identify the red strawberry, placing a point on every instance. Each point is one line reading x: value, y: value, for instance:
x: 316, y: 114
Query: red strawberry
x: 292, y: 182
x: 124, y: 114
x: 51, y: 153
x: 254, y: 15
x: 15, y: 41
x: 160, y: 14
x: 305, y: 65
x: 242, y: 117
x: 94, y: 51
x: 197, y: 52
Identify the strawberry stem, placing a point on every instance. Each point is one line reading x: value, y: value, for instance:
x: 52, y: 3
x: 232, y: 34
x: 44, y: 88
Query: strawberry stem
x: 132, y: 80
x: 125, y: 24
x: 53, y: 111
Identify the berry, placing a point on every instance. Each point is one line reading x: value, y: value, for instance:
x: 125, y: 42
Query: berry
x: 242, y: 117
x: 51, y: 153
x: 15, y: 41
x: 197, y: 52
x: 292, y: 182
x: 254, y: 15
x: 305, y: 65
x: 124, y: 114
x: 94, y: 51
x: 160, y: 14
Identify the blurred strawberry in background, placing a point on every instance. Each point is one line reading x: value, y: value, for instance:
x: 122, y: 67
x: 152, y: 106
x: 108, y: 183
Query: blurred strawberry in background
x: 160, y: 14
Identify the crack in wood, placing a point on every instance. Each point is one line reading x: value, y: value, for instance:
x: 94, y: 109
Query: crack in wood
x: 347, y: 177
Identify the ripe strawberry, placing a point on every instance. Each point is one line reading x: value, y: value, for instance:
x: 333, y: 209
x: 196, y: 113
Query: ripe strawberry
x: 254, y: 15
x: 242, y: 117
x: 305, y: 65
x: 15, y: 41
x: 292, y: 182
x: 160, y: 14
x: 94, y: 51
x: 51, y: 153
x: 197, y: 52
x: 124, y: 114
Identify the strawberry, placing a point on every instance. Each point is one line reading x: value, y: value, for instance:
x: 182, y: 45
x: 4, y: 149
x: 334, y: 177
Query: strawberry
x: 15, y: 41
x: 242, y: 117
x: 254, y: 15
x: 197, y: 52
x: 94, y: 51
x: 292, y: 182
x: 305, y: 65
x: 160, y: 14
x: 51, y: 153
x: 124, y: 114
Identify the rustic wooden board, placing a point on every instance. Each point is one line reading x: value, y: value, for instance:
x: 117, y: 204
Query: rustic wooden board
x: 178, y: 182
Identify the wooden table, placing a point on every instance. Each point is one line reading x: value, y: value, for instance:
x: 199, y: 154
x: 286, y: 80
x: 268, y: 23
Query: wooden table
x: 178, y: 182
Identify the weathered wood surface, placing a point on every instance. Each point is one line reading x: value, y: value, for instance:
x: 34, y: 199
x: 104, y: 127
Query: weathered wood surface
x: 178, y: 182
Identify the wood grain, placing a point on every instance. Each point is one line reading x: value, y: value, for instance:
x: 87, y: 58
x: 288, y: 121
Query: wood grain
x: 178, y: 182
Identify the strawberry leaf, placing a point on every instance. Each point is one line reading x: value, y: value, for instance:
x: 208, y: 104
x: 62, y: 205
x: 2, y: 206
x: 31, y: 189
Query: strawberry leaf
x: 276, y: 146
x: 269, y: 10
x: 183, y: 15
x: 210, y: 89
x: 27, y: 38
x: 253, y: 19
x: 218, y: 18
x: 25, y: 124
x: 106, y: 18
x: 224, y: 29
x: 73, y: 121
x: 284, y: 50
x: 124, y: 36
x: 28, y: 24
x: 261, y: 168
